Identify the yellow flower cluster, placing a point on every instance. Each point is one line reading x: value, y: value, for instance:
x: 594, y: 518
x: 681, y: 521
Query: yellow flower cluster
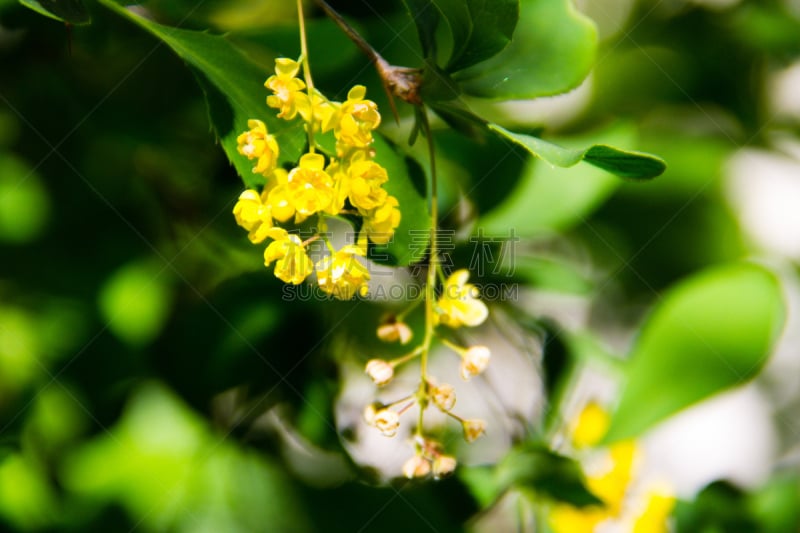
x: 611, y: 485
x: 349, y: 181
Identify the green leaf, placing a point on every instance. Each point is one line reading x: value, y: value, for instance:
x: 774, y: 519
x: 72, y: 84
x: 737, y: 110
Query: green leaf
x: 492, y: 26
x: 234, y: 89
x: 622, y: 163
x: 410, y: 239
x: 534, y: 467
x: 69, y: 11
x: 712, y: 332
x: 547, y: 198
x: 551, y: 52
x: 426, y: 18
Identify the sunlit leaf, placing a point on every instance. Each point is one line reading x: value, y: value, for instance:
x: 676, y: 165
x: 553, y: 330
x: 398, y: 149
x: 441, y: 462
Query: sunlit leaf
x: 492, y: 24
x: 234, y: 89
x: 623, y: 163
x: 551, y: 52
x: 711, y: 332
x: 69, y: 11
x: 24, y: 203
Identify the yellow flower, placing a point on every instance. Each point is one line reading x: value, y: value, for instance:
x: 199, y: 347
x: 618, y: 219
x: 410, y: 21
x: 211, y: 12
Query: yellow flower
x: 443, y: 465
x: 379, y: 371
x: 286, y: 87
x: 387, y: 422
x: 278, y: 197
x: 416, y: 466
x: 317, y: 111
x: 590, y: 426
x: 444, y: 396
x: 342, y: 275
x: 380, y: 223
x: 310, y: 188
x: 459, y: 305
x: 365, y: 180
x: 565, y: 518
x: 395, y: 331
x: 473, y: 429
x: 612, y: 485
x: 655, y: 515
x: 259, y: 145
x: 293, y: 264
x: 253, y: 215
x: 357, y: 118
x: 474, y: 360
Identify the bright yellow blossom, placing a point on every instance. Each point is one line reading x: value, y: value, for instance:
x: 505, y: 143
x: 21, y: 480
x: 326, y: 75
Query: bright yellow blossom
x: 459, y: 305
x: 292, y: 263
x: 590, y: 426
x: 317, y: 111
x: 342, y: 275
x: 287, y: 88
x: 253, y: 214
x: 258, y: 144
x: 357, y: 119
x: 380, y: 223
x: 278, y: 197
x: 654, y: 518
x: 365, y: 180
x: 310, y: 187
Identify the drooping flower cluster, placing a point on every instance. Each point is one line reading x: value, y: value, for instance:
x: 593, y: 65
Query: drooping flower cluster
x: 457, y: 305
x: 347, y: 182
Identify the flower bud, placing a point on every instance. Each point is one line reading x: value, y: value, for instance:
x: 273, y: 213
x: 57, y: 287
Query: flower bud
x: 416, y: 466
x: 443, y: 465
x: 369, y: 413
x: 380, y: 371
x: 387, y: 422
x: 474, y: 361
x: 473, y: 429
x: 396, y: 331
x: 444, y: 396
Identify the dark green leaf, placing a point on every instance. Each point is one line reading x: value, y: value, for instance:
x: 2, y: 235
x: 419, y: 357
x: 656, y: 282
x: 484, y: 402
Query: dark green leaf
x: 492, y: 24
x: 623, y: 163
x: 712, y: 332
x: 234, y: 90
x: 551, y: 52
x: 426, y: 18
x: 410, y: 239
x: 69, y: 11
x: 534, y: 467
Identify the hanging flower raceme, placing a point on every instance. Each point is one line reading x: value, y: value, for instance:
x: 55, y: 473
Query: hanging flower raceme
x: 318, y: 185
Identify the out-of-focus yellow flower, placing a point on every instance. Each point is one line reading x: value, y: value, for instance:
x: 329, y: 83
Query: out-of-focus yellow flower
x: 387, y: 422
x: 292, y: 263
x: 444, y: 396
x: 459, y: 305
x: 357, y: 118
x: 342, y: 275
x: 416, y: 466
x: 253, y: 214
x: 443, y: 465
x: 380, y: 223
x: 655, y: 515
x: 258, y: 144
x: 365, y: 180
x: 310, y: 188
x: 287, y: 88
x: 565, y: 518
x: 395, y: 331
x: 612, y: 485
x: 590, y: 426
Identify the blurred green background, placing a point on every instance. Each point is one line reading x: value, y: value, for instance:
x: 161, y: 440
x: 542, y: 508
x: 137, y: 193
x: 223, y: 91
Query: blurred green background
x: 149, y: 366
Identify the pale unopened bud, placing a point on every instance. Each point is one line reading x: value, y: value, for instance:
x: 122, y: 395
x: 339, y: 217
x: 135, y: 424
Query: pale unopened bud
x: 444, y: 396
x: 396, y: 331
x: 369, y: 413
x: 473, y: 429
x: 380, y: 371
x: 474, y: 361
x: 416, y: 466
x: 443, y: 465
x: 387, y: 422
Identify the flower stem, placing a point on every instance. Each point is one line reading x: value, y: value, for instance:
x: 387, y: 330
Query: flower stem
x: 306, y: 74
